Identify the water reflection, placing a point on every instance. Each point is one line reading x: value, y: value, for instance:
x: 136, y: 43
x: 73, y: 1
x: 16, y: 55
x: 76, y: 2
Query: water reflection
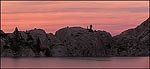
x: 76, y: 62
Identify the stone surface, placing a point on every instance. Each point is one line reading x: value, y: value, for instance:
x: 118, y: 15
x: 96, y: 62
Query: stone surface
x: 76, y: 41
x: 133, y: 42
x: 57, y: 48
x: 82, y: 42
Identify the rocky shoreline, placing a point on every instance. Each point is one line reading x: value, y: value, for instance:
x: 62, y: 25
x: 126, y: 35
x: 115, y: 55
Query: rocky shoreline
x: 76, y: 42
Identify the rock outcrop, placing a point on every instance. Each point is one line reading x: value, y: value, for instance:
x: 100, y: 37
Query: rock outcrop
x: 133, y: 42
x: 84, y: 42
x: 35, y: 42
x: 38, y: 41
x: 76, y: 41
x: 16, y: 45
x: 57, y: 48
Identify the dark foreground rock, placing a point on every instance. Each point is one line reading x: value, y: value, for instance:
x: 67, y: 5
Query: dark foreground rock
x: 83, y: 42
x: 133, y: 42
x: 76, y: 41
x: 57, y: 48
x: 29, y: 43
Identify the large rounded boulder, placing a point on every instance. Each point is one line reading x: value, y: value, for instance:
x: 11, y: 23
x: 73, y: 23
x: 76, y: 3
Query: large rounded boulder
x: 57, y: 48
x: 83, y: 42
x: 39, y: 41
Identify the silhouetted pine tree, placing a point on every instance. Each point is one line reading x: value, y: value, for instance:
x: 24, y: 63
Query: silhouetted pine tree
x: 17, y: 42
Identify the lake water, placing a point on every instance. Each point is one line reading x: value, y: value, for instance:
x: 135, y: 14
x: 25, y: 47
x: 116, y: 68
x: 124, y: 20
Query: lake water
x: 76, y: 62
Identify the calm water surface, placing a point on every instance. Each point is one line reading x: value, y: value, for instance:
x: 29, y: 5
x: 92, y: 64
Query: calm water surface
x: 76, y: 62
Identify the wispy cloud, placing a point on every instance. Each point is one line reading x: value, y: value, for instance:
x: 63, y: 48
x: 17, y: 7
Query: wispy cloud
x: 81, y: 9
x: 104, y: 15
x: 60, y: 7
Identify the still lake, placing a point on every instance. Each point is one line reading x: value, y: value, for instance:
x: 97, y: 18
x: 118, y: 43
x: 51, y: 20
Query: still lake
x: 76, y: 62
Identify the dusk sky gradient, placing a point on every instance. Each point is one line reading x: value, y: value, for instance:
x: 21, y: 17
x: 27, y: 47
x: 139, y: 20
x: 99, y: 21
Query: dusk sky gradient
x: 111, y: 16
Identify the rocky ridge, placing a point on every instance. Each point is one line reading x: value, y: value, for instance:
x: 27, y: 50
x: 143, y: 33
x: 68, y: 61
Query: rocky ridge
x: 76, y: 41
x: 133, y: 42
x: 82, y: 42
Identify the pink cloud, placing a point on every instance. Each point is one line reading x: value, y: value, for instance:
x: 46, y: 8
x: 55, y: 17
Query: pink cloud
x: 114, y: 16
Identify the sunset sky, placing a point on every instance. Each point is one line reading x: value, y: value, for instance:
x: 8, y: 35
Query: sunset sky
x: 111, y: 16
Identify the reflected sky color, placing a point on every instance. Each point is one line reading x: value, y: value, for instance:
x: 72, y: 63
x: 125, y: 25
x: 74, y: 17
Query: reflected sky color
x: 111, y: 16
